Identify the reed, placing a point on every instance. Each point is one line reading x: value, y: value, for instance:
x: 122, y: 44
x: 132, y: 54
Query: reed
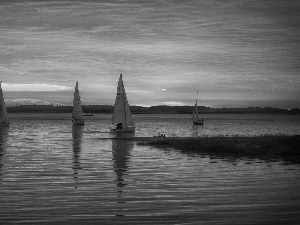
x: 271, y: 145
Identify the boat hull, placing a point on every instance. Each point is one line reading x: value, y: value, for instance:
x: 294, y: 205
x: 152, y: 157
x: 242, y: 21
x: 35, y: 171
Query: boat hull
x: 4, y: 124
x: 78, y: 122
x: 123, y: 130
x: 198, y: 123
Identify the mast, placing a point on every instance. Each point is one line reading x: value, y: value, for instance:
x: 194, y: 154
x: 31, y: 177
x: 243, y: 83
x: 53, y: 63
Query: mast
x: 196, y: 107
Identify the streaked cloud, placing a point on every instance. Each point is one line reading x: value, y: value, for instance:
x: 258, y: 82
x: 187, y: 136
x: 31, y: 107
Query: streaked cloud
x: 34, y: 87
x: 234, y: 52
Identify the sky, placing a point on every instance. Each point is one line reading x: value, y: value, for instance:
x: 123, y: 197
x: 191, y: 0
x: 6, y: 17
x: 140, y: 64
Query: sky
x: 235, y: 53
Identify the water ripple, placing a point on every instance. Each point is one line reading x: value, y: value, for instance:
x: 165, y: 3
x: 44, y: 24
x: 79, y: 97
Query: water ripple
x: 65, y: 174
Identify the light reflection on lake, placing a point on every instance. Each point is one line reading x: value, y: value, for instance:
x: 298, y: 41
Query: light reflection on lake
x: 51, y: 171
x: 3, y: 141
x: 77, y: 132
x: 121, y: 152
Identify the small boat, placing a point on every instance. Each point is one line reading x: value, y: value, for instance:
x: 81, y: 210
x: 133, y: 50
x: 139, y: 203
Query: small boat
x: 88, y: 114
x: 122, y: 119
x: 196, y: 120
x: 77, y: 115
x: 4, y: 122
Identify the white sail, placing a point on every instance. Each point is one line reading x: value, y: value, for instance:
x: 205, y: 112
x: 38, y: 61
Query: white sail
x: 119, y: 112
x: 128, y: 116
x: 122, y: 113
x: 3, y: 112
x: 77, y: 108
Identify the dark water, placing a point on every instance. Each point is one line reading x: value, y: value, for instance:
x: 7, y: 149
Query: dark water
x: 51, y: 172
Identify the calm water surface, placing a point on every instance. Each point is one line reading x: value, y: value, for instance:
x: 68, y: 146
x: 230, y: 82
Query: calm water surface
x: 53, y: 172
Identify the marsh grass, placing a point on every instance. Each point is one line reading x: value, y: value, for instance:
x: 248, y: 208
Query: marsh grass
x: 265, y: 145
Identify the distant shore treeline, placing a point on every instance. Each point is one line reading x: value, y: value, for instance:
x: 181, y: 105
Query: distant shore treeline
x: 160, y: 109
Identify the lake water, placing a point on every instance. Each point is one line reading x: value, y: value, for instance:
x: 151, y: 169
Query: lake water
x: 53, y: 172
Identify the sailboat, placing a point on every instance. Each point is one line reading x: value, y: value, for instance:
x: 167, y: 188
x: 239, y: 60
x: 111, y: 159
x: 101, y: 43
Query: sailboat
x: 77, y: 115
x: 196, y: 120
x: 122, y: 118
x: 4, y: 122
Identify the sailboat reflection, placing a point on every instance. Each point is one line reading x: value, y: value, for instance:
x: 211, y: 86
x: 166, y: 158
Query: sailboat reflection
x: 77, y: 132
x: 3, y: 141
x: 195, y: 131
x: 121, y: 157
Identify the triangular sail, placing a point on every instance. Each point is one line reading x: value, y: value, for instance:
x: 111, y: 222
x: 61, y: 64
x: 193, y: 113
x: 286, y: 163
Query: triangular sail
x: 3, y: 112
x: 77, y: 108
x: 119, y: 112
x: 129, y: 120
x: 122, y: 113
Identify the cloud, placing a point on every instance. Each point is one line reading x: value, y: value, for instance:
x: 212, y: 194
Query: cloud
x: 174, y: 103
x: 226, y: 49
x: 34, y: 87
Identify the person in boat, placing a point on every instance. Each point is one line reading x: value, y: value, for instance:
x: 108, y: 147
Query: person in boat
x: 161, y: 134
x: 119, y: 126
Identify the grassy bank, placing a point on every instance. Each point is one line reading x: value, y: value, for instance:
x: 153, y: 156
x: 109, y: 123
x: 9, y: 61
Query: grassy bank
x: 267, y: 145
